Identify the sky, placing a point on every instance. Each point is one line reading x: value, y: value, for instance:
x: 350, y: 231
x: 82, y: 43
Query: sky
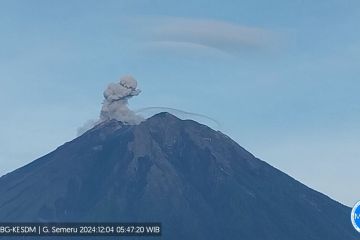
x: 281, y: 77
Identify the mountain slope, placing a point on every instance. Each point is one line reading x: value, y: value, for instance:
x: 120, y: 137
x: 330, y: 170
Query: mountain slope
x: 198, y: 182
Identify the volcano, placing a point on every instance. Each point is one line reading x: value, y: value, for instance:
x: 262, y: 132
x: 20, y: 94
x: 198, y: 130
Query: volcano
x: 197, y: 182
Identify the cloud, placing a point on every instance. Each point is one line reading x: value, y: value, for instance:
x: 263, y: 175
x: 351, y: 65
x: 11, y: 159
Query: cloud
x: 201, y: 34
x: 183, y: 48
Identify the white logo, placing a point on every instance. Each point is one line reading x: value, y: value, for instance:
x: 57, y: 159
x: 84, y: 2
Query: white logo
x: 355, y: 216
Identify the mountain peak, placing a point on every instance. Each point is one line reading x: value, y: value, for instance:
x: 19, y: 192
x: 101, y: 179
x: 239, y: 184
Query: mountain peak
x: 164, y: 116
x: 196, y: 181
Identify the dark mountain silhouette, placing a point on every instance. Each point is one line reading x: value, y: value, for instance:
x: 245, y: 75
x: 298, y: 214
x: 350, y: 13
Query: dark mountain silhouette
x: 198, y: 182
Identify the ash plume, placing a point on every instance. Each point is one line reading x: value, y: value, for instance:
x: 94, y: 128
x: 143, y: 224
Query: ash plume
x: 115, y: 107
x: 115, y: 104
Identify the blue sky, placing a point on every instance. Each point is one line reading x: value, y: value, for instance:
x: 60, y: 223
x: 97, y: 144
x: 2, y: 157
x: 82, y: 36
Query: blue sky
x: 282, y: 77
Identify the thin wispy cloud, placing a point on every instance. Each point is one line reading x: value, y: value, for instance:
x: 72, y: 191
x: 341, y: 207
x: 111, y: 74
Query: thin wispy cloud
x: 177, y: 34
x: 183, y: 48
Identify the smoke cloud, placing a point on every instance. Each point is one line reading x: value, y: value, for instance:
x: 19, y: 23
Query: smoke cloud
x: 115, y: 107
x: 115, y: 104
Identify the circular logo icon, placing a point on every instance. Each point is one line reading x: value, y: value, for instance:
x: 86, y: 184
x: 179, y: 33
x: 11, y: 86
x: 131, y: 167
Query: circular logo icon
x: 355, y: 216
